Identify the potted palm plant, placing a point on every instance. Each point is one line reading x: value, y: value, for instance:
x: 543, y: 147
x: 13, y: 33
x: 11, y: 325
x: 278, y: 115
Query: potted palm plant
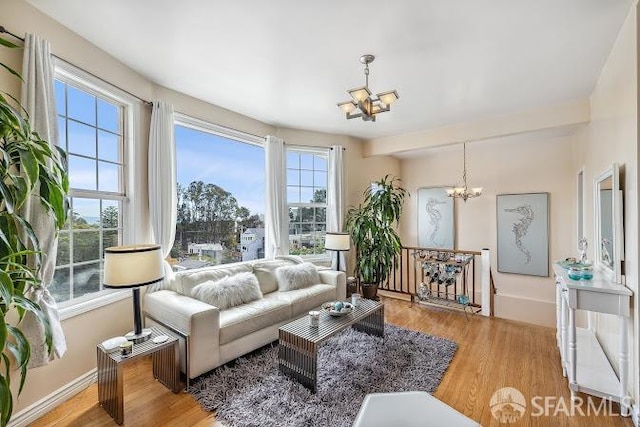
x: 29, y: 167
x: 372, y: 228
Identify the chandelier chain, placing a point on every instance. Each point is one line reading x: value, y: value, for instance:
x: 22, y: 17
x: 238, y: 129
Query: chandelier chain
x: 366, y: 75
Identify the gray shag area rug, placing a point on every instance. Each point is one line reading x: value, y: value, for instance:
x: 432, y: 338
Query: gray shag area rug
x: 251, y: 392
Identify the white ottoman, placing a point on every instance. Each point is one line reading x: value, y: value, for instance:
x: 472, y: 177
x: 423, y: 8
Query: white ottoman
x: 410, y: 409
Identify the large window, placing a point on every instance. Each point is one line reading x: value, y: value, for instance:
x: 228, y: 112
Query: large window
x: 91, y: 130
x: 221, y: 190
x: 307, y: 200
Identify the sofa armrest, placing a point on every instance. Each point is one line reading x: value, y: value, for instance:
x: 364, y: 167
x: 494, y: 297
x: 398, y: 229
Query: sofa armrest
x: 337, y: 279
x: 199, y: 321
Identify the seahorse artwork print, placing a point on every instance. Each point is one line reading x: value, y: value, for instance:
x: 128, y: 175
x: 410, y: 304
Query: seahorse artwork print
x: 435, y: 216
x: 520, y: 228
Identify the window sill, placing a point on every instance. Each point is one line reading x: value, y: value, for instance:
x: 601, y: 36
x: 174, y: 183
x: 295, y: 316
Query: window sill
x: 73, y: 308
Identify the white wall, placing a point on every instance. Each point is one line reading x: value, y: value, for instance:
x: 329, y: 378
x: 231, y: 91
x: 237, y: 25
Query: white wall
x: 523, y: 164
x: 612, y: 136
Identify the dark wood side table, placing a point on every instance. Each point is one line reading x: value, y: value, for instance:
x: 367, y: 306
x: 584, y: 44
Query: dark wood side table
x: 166, y: 369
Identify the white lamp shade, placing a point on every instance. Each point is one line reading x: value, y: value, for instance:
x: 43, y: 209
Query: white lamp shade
x: 388, y: 98
x: 337, y: 241
x: 360, y: 93
x: 132, y: 266
x: 347, y: 107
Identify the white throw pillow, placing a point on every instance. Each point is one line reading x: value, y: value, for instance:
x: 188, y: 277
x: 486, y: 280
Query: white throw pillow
x: 229, y: 291
x: 297, y: 276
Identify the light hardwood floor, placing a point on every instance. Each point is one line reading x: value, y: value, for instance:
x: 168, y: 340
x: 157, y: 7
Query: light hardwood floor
x: 492, y: 353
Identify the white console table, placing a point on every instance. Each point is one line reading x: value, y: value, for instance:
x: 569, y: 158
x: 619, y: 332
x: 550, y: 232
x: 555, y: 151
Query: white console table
x: 583, y: 359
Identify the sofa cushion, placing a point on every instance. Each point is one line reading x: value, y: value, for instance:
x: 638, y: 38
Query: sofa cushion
x: 187, y: 280
x: 239, y: 321
x: 229, y: 291
x: 297, y: 276
x: 267, y: 280
x: 306, y: 299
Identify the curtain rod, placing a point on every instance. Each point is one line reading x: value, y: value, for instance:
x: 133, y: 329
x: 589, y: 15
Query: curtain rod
x: 5, y: 31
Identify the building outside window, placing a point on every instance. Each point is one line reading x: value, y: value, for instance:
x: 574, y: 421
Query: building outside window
x: 91, y: 131
x: 307, y: 200
x: 221, y: 191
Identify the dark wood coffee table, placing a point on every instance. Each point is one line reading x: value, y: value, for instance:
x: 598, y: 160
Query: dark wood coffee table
x: 299, y: 342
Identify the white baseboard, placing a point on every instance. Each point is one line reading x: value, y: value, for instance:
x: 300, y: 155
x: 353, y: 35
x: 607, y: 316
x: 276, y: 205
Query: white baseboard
x: 47, y: 403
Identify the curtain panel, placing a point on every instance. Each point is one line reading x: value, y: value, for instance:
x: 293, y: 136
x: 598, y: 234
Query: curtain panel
x: 38, y: 99
x: 335, y: 201
x: 276, y: 215
x: 162, y: 182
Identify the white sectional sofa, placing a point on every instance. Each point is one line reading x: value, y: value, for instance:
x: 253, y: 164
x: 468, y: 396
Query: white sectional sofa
x: 212, y: 337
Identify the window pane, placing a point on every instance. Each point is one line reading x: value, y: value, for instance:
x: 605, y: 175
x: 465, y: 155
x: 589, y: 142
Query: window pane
x: 321, y: 215
x: 293, y: 177
x: 294, y: 215
x: 86, y: 246
x: 293, y: 194
x: 82, y: 173
x: 82, y: 139
x: 86, y: 279
x: 108, y: 116
x: 319, y: 195
x: 306, y: 161
x: 86, y: 213
x: 221, y: 191
x: 320, y: 179
x: 320, y: 163
x: 60, y: 100
x: 81, y: 105
x: 108, y: 146
x: 108, y: 177
x: 110, y: 238
x: 306, y: 178
x: 306, y: 194
x: 306, y: 215
x: 62, y: 258
x: 60, y: 288
x: 293, y: 160
x: 110, y: 214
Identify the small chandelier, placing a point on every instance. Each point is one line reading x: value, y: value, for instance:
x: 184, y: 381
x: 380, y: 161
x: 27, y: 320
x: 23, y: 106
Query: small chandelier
x: 367, y: 107
x: 463, y: 192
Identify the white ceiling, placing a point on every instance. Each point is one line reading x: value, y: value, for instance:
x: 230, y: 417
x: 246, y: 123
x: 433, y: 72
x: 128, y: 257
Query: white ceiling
x: 287, y: 62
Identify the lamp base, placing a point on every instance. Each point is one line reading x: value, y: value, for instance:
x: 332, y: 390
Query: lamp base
x: 138, y: 338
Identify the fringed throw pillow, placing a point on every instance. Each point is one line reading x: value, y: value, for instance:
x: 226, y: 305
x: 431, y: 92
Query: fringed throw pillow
x: 297, y: 276
x: 229, y: 291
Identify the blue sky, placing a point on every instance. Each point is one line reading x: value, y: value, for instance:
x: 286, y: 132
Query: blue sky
x: 235, y: 166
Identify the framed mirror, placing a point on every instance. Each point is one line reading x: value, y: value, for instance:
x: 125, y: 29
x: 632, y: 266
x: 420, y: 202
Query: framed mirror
x: 609, y: 230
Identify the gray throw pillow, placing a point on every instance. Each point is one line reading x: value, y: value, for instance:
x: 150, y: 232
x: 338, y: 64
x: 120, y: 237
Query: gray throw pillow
x: 297, y: 276
x: 229, y: 291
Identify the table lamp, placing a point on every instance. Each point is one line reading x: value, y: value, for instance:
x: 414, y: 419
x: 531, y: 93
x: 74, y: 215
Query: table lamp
x: 132, y: 267
x: 338, y: 242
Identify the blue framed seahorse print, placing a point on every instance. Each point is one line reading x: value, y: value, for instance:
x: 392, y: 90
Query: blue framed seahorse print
x: 523, y: 233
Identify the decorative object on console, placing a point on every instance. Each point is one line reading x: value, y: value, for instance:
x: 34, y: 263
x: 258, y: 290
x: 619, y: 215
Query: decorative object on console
x: 435, y: 218
x: 583, y: 245
x: 463, y: 192
x: 367, y: 107
x: 523, y: 233
x: 371, y: 225
x: 338, y: 242
x: 132, y: 267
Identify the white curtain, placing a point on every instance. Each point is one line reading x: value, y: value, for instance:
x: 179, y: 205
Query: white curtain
x: 276, y: 217
x: 162, y: 181
x: 335, y: 201
x: 39, y: 102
